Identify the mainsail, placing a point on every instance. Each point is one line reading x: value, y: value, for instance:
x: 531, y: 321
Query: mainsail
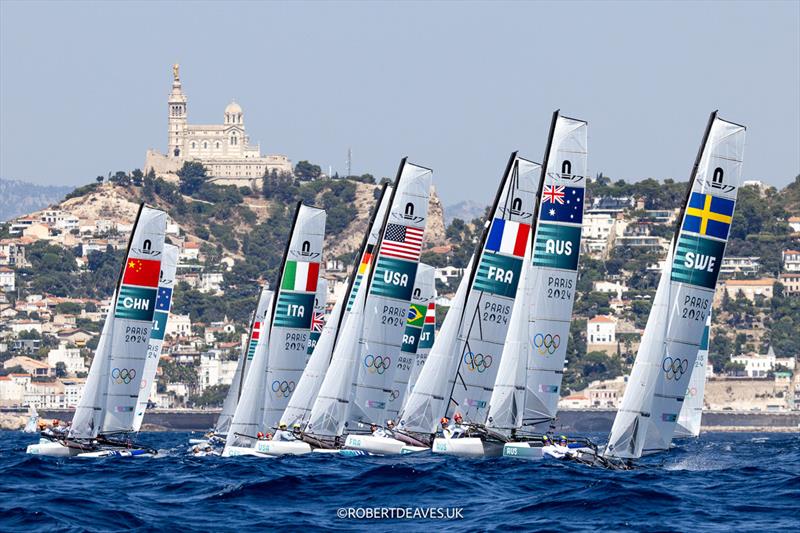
x: 538, y: 345
x: 389, y: 292
x: 646, y: 420
x: 423, y: 295
x: 293, y: 312
x: 692, y: 411
x: 246, y: 419
x: 245, y: 362
x: 328, y: 402
x: 108, y: 401
x: 166, y: 284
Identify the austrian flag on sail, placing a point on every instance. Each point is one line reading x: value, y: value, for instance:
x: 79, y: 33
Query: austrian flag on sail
x: 300, y: 276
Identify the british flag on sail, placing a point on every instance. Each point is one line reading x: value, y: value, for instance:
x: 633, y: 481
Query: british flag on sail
x: 317, y: 322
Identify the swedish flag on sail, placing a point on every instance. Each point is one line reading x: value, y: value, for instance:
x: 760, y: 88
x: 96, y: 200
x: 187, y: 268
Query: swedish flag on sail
x: 709, y: 215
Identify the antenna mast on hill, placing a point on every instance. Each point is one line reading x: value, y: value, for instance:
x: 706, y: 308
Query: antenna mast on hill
x: 349, y: 162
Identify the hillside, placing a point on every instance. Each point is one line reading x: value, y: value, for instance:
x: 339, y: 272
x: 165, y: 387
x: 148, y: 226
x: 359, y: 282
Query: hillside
x: 19, y: 197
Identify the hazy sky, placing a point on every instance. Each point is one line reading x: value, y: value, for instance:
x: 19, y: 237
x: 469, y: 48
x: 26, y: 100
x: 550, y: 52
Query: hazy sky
x: 455, y: 86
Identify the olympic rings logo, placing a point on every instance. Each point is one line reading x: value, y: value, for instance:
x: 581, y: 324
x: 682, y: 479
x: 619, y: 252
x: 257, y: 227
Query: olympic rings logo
x: 546, y: 344
x: 477, y: 361
x: 377, y: 363
x: 283, y: 389
x: 674, y: 368
x: 123, y: 375
x: 395, y: 394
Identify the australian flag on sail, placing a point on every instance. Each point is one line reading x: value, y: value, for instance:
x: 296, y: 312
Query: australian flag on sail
x: 163, y: 298
x: 562, y: 204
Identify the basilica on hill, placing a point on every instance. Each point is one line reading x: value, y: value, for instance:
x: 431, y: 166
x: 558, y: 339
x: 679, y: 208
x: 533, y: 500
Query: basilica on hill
x: 224, y: 149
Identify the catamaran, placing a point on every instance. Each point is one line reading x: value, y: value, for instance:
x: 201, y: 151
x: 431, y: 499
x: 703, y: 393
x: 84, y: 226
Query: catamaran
x: 647, y: 418
x: 279, y: 359
x: 299, y: 409
x: 106, y: 413
x: 460, y: 369
x: 358, y: 384
x: 217, y: 436
x: 525, y: 395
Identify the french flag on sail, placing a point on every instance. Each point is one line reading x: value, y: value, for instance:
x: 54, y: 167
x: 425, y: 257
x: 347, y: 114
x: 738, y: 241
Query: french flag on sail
x: 508, y: 237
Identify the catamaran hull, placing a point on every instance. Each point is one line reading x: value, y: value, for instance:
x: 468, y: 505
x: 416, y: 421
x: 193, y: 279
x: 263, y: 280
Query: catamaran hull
x: 522, y: 450
x: 269, y: 449
x: 467, y: 447
x: 380, y: 445
x: 51, y: 449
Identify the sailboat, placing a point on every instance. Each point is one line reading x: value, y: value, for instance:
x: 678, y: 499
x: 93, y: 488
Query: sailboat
x: 299, y: 409
x: 31, y: 426
x: 279, y: 359
x: 243, y: 365
x: 692, y: 411
x: 648, y: 415
x: 527, y: 389
x: 357, y: 386
x: 424, y: 295
x: 108, y: 405
x: 461, y: 367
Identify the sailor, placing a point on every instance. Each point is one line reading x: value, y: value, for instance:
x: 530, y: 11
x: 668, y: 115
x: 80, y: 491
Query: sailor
x: 458, y: 429
x: 283, y: 434
x: 260, y: 436
x: 378, y: 432
x: 389, y: 428
x: 444, y: 421
x: 296, y: 433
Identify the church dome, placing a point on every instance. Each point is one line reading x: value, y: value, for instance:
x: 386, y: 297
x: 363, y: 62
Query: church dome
x: 233, y: 108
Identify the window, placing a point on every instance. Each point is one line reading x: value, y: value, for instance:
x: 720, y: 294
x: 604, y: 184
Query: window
x: 205, y: 145
x: 194, y: 145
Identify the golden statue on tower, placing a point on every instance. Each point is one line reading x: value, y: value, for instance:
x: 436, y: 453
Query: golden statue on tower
x: 175, y: 68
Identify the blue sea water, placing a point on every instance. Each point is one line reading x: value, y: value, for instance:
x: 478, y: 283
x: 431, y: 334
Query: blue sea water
x: 719, y: 482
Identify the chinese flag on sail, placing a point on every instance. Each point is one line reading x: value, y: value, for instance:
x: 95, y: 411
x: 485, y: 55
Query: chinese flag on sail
x: 142, y: 272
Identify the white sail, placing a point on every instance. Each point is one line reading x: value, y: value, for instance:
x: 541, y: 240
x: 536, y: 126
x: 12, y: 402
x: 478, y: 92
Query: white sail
x: 257, y: 326
x: 648, y: 414
x: 692, y: 411
x: 494, y: 288
x: 554, y: 266
x: 326, y: 417
x: 424, y: 293
x: 301, y: 402
x: 293, y: 312
x: 166, y: 284
x: 108, y: 401
x: 507, y: 402
x: 389, y: 293
x: 427, y: 401
x: 246, y: 421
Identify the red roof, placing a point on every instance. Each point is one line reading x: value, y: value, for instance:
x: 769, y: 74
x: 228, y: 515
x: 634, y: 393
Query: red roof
x: 603, y: 318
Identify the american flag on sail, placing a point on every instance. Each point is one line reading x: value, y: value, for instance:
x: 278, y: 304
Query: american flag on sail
x: 317, y: 321
x: 402, y: 242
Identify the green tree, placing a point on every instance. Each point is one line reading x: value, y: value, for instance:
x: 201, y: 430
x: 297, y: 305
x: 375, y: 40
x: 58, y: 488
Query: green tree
x: 305, y: 171
x: 192, y: 176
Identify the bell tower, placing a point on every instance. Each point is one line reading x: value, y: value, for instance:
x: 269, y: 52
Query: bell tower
x: 176, y: 122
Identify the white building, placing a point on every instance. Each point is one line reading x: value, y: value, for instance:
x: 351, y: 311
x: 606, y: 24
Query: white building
x: 71, y: 357
x: 601, y: 330
x: 745, y: 265
x: 791, y: 260
x: 750, y: 288
x: 12, y: 392
x: 7, y: 279
x: 211, y: 282
x: 73, y: 388
x: 179, y: 326
x: 214, y: 370
x: 45, y: 394
x: 448, y: 274
x: 190, y: 251
x: 791, y: 283
x: 223, y: 149
x: 758, y: 365
x: 613, y: 287
x: 794, y: 223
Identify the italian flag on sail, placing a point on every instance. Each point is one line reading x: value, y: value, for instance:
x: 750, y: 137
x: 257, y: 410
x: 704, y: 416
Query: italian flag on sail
x: 300, y: 276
